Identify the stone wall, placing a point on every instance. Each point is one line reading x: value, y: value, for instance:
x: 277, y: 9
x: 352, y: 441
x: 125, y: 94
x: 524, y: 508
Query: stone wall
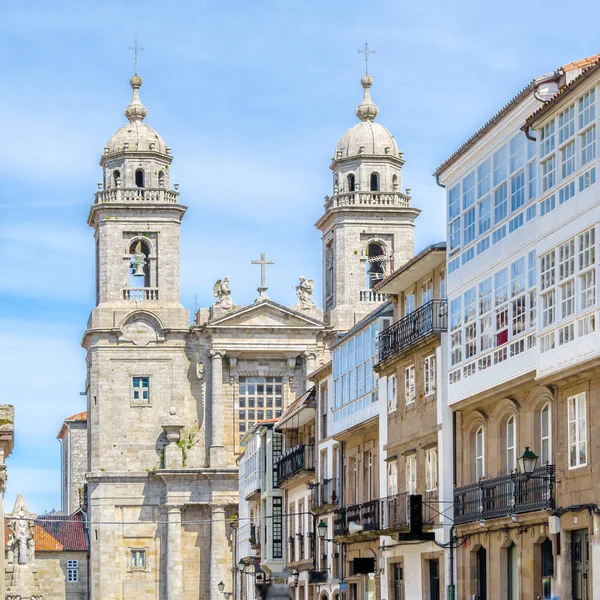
x: 52, y: 575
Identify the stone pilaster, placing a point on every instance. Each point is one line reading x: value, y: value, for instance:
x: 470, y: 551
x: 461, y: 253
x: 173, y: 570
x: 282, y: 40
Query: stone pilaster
x: 311, y: 363
x: 174, y: 557
x: 219, y: 570
x: 218, y: 457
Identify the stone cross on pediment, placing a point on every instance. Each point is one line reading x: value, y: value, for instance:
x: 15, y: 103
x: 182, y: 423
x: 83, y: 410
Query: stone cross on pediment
x: 263, y: 288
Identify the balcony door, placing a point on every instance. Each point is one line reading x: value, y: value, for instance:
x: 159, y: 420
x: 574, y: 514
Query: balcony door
x: 481, y: 566
x: 579, y: 564
x: 397, y: 581
x: 434, y: 579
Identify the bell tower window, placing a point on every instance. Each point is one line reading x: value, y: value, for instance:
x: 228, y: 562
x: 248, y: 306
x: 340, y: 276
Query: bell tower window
x: 116, y: 178
x: 375, y: 264
x: 374, y: 181
x: 161, y: 179
x: 139, y: 268
x: 139, y: 178
x: 395, y: 181
x: 351, y: 183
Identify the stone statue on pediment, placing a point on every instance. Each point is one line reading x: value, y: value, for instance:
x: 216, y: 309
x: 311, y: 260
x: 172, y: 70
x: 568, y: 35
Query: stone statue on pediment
x: 222, y: 292
x: 304, y: 291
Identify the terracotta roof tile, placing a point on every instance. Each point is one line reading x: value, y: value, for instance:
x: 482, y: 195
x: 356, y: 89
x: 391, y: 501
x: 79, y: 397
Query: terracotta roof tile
x: 82, y: 416
x: 57, y: 533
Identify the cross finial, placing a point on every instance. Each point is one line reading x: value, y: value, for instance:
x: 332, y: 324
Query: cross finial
x: 263, y: 288
x: 366, y: 51
x: 135, y: 49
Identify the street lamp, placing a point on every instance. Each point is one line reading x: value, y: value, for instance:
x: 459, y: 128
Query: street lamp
x: 322, y: 529
x: 221, y: 586
x: 527, y: 462
x: 296, y: 576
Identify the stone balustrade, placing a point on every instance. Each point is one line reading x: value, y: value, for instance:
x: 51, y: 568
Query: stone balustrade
x: 158, y: 195
x: 372, y: 296
x: 137, y: 294
x: 368, y: 199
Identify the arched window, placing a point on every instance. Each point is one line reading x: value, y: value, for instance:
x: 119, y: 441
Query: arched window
x: 161, y: 179
x: 375, y: 264
x: 511, y: 442
x: 336, y: 184
x: 116, y: 178
x: 139, y: 178
x: 546, y: 434
x: 351, y: 182
x: 395, y: 181
x: 374, y: 181
x: 139, y: 266
x: 479, y: 454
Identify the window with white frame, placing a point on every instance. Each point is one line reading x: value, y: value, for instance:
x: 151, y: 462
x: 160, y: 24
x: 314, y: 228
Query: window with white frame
x: 479, y: 454
x: 546, y: 434
x: 138, y: 559
x: 547, y: 271
x: 470, y: 315
x: 469, y: 226
x: 72, y: 571
x: 140, y: 389
x: 429, y: 375
x: 483, y: 178
x: 455, y: 331
x: 410, y: 393
x: 442, y: 283
x: 392, y: 478
x: 548, y: 173
x: 392, y: 391
x: 409, y: 303
x: 431, y: 470
x: 426, y: 292
x: 454, y: 217
x: 500, y: 203
x: 411, y: 474
x: 511, y: 450
x: 484, y: 208
x: 468, y: 187
x: 548, y: 308
x: 577, y: 430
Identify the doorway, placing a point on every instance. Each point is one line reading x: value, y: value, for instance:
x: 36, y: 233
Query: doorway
x: 481, y: 557
x: 434, y: 579
x: 398, y: 581
x: 579, y: 563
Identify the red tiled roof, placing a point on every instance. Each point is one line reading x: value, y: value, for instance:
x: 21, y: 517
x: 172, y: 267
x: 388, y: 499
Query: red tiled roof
x: 77, y: 418
x: 57, y: 533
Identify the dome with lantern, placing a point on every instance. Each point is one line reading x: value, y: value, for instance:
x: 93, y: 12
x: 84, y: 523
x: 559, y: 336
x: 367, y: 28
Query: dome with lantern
x: 136, y: 136
x: 367, y: 137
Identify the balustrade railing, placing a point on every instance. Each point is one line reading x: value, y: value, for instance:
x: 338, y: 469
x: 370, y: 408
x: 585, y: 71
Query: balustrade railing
x: 293, y: 461
x: 140, y: 294
x: 372, y: 296
x: 368, y: 198
x: 137, y: 195
x: 429, y: 318
x: 506, y: 495
x: 394, y: 511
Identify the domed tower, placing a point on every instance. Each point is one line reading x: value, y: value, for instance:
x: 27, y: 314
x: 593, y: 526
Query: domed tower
x: 368, y: 224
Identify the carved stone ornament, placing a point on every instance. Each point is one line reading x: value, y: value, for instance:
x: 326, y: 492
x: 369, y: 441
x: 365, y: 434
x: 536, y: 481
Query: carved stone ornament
x: 21, y: 544
x: 222, y: 292
x: 304, y: 291
x: 200, y: 370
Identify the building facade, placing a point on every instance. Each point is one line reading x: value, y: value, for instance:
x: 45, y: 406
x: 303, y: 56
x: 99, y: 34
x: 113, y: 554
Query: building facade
x: 73, y: 455
x: 522, y: 199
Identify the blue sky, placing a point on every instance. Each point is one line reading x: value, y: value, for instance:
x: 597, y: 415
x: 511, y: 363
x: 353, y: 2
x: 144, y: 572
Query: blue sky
x: 252, y: 98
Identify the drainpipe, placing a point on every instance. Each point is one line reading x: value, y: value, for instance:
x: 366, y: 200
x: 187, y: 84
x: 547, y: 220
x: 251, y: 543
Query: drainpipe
x: 451, y: 586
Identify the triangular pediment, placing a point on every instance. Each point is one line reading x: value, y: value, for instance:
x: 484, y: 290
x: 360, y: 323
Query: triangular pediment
x: 266, y: 315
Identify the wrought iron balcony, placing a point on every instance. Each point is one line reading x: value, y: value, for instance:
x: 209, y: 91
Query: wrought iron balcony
x: 394, y: 511
x: 295, y: 460
x: 425, y: 320
x: 504, y: 496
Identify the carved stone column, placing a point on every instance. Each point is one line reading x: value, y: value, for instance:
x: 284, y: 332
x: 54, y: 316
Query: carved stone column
x: 219, y: 567
x: 218, y: 457
x: 174, y: 558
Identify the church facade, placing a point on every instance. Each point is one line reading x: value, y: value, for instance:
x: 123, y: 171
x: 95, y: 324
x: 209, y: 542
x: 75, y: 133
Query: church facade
x: 169, y: 398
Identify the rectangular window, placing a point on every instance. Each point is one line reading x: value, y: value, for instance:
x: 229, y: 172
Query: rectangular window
x: 567, y: 299
x: 470, y: 300
x: 532, y: 307
x: 257, y: 395
x: 566, y: 260
x: 442, y: 284
x: 499, y: 234
x: 483, y: 244
x: 469, y: 226
x: 485, y: 214
x: 392, y: 391
x: 515, y: 223
x: 587, y: 108
x: 499, y: 166
x: 587, y: 325
x: 586, y: 179
x: 577, y: 431
x: 548, y: 308
x: 431, y: 470
x: 547, y: 270
x: 566, y: 193
x: 468, y: 184
x: 547, y: 342
x: 517, y: 151
x: 517, y: 277
x: 141, y: 390
x: 532, y: 180
x: 470, y: 340
x: 409, y: 303
x: 531, y: 269
x: 501, y: 287
x: 72, y: 571
x: 566, y: 334
x: 453, y: 265
x: 566, y: 124
x: 276, y: 528
x: 588, y: 145
x: 426, y: 292
x: 410, y: 393
x: 587, y: 283
x: 454, y: 202
x: 548, y: 173
x: 547, y: 205
x: 138, y: 559
x: 517, y: 191
x: 547, y: 138
x: 486, y: 333
x: 392, y: 478
x: 518, y: 316
x: 485, y: 296
x: 567, y: 160
x: 500, y: 203
x: 411, y: 474
x: 483, y: 178
x: 429, y: 375
x: 454, y: 234
x: 587, y: 249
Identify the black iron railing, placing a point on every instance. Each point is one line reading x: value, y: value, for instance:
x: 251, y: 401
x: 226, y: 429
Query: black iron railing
x: 394, y: 511
x: 339, y: 523
x: 506, y: 495
x: 295, y: 460
x: 429, y: 318
x: 326, y: 493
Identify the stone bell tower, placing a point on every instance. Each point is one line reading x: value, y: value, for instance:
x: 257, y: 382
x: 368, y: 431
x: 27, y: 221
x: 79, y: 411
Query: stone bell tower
x: 368, y: 223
